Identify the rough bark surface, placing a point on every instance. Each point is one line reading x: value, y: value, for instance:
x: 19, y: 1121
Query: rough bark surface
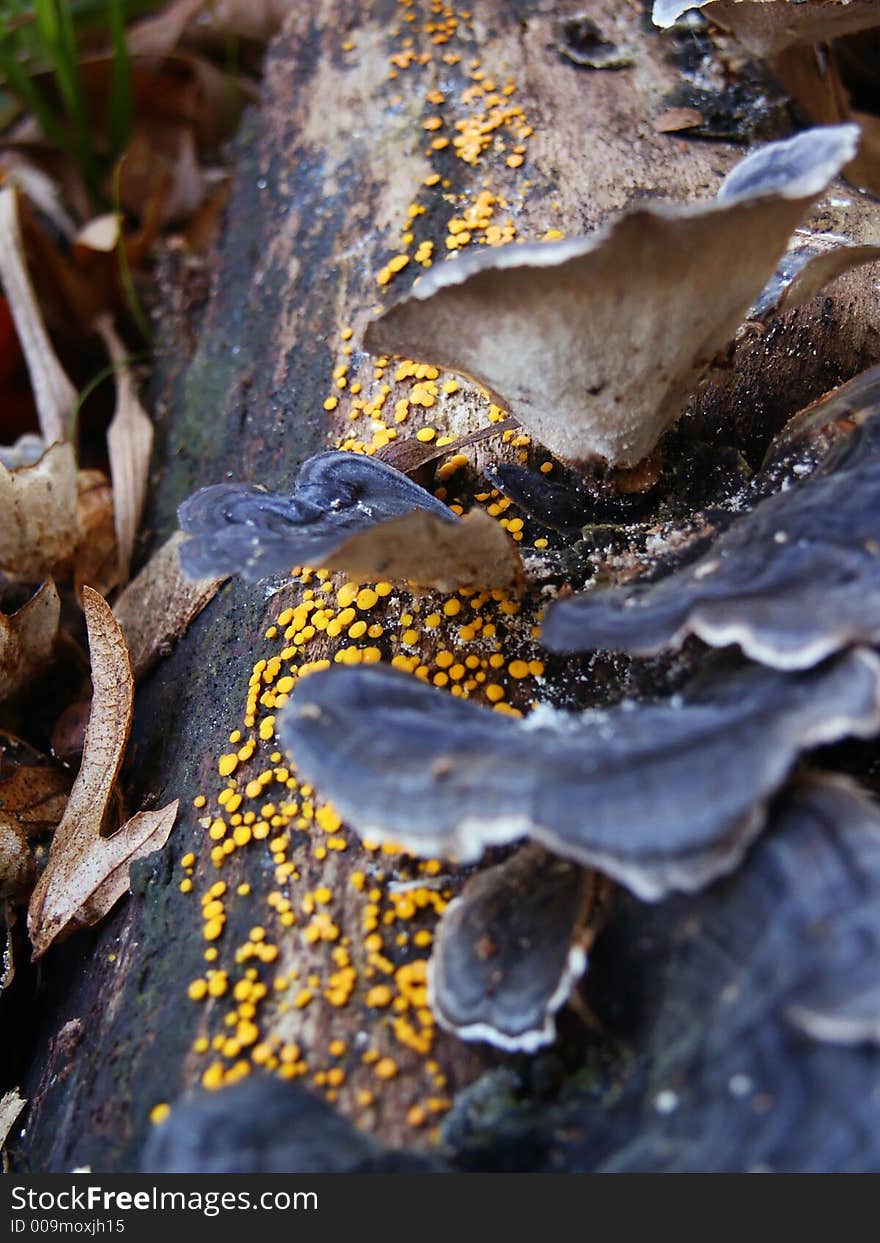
x: 324, y: 174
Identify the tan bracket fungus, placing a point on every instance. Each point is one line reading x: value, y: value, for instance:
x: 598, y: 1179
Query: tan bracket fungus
x: 595, y: 343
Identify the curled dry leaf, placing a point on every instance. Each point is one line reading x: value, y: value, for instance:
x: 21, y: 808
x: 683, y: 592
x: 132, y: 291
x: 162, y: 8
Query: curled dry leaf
x: 27, y: 640
x: 764, y: 969
x: 595, y: 343
x: 510, y: 948
x: 158, y: 606
x: 54, y: 394
x: 791, y: 582
x: 347, y: 512
x: 766, y: 27
x: 87, y: 872
x: 130, y: 444
x: 661, y: 797
x: 38, y: 531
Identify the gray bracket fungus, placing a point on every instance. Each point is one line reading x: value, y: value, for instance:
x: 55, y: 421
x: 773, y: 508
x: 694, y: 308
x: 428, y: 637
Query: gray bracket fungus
x: 804, y: 270
x: 767, y: 27
x: 792, y: 581
x: 741, y: 1072
x: 510, y: 948
x: 347, y: 512
x: 264, y: 1125
x: 661, y: 797
x: 595, y: 343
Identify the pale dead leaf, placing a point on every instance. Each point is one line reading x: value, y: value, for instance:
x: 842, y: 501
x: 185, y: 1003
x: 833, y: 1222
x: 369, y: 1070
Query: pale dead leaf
x: 101, y: 234
x: 144, y: 833
x: 17, y: 864
x: 54, y: 395
x: 424, y: 549
x: 75, y: 870
x: 157, y: 606
x: 27, y: 640
x: 765, y: 27
x: 38, y: 515
x: 42, y: 190
x: 97, y: 562
x: 130, y: 443
x: 595, y: 343
x: 10, y: 1107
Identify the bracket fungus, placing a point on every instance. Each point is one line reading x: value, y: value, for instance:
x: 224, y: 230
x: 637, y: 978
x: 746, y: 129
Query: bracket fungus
x: 511, y: 947
x: 792, y: 581
x: 660, y: 796
x: 347, y: 512
x: 595, y: 343
x: 766, y: 27
x: 760, y: 1057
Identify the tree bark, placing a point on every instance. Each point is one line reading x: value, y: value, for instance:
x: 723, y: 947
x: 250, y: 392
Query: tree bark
x: 325, y: 172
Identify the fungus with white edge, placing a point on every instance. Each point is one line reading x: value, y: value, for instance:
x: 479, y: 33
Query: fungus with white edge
x: 760, y: 1056
x: 659, y: 796
x: 596, y: 343
x: 347, y: 512
x: 791, y: 582
x: 511, y: 947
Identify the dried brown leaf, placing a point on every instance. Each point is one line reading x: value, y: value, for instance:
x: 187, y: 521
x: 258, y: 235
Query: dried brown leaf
x: 409, y: 454
x: 10, y: 1107
x: 33, y: 791
x: 144, y: 833
x: 595, y: 343
x: 17, y: 864
x: 765, y: 27
x: 158, y: 606
x: 27, y: 640
x: 38, y: 516
x: 97, y: 561
x: 79, y: 856
x: 130, y: 443
x: 675, y: 119
x: 54, y: 394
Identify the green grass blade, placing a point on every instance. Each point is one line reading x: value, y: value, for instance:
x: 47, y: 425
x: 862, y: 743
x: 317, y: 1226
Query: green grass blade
x: 121, y: 92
